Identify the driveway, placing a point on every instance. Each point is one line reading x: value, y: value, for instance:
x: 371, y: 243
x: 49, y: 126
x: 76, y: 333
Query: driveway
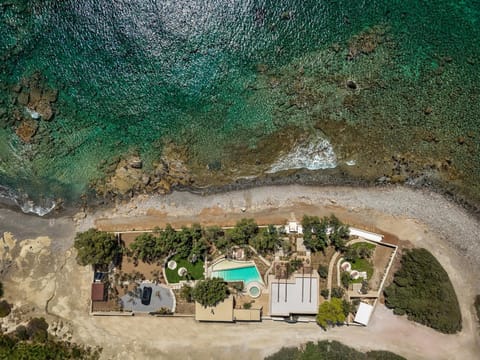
x: 162, y: 297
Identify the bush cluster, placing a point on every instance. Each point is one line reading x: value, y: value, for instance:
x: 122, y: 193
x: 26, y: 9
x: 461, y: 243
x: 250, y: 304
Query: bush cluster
x: 328, y: 350
x: 422, y: 290
x: 319, y: 233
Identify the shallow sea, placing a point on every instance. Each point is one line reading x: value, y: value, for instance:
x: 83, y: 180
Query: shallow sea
x: 213, y: 74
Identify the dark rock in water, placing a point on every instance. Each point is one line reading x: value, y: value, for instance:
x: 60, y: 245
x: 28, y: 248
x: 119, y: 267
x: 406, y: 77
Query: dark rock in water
x: 351, y: 85
x: 23, y: 98
x: 215, y: 165
x: 27, y: 130
x: 50, y: 95
x: 286, y: 15
x: 136, y: 163
x: 45, y: 110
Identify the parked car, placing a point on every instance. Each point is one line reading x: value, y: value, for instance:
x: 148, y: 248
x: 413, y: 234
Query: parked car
x: 146, y: 295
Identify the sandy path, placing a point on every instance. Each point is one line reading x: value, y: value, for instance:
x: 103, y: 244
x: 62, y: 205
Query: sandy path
x: 423, y: 218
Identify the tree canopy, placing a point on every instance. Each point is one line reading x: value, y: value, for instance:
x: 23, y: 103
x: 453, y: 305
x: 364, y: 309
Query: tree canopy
x: 319, y: 233
x: 98, y: 248
x: 267, y: 240
x: 330, y: 350
x: 243, y: 232
x: 422, y: 290
x: 331, y: 313
x: 210, y: 292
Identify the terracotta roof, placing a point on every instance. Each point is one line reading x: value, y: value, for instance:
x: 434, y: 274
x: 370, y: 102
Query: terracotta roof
x: 98, y: 292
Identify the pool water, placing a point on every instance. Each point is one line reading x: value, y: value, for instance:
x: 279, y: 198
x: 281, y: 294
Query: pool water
x: 246, y: 274
x: 254, y: 291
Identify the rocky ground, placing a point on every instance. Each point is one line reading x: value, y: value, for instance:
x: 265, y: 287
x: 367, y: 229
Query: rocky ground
x: 41, y: 276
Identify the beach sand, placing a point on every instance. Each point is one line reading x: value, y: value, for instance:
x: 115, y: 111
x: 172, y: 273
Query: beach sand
x: 425, y: 219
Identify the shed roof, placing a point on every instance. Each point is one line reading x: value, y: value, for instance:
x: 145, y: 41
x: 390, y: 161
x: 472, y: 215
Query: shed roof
x: 222, y: 312
x: 247, y: 314
x: 98, y: 291
x: 363, y: 314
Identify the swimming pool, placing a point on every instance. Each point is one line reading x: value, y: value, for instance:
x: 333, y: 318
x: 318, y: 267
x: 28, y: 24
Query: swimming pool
x: 246, y: 274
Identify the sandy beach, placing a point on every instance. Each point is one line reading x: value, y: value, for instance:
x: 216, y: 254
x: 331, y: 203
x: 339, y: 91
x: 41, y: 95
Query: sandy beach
x: 56, y: 286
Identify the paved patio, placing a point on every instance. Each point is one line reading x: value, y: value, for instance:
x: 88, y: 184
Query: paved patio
x: 162, y: 297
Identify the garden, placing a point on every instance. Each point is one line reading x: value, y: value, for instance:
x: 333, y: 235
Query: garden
x: 179, y: 268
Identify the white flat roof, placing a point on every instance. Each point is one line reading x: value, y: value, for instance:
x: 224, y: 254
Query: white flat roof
x: 363, y: 314
x: 294, y: 297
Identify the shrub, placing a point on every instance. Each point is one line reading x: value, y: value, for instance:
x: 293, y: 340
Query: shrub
x: 21, y: 332
x: 186, y: 292
x: 323, y: 271
x: 98, y: 248
x: 345, y: 279
x: 5, y: 308
x: 338, y: 292
x: 37, y: 330
x: 422, y: 290
x: 247, y: 305
x: 330, y: 350
x: 365, y: 287
x: 147, y: 247
x: 1, y: 289
x: 330, y: 313
x: 325, y: 293
x: 210, y: 292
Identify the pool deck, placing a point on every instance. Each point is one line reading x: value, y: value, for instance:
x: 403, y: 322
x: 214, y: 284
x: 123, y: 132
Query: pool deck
x: 230, y: 264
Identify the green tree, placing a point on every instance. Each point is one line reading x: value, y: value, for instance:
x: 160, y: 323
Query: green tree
x: 422, y: 290
x: 186, y: 292
x: 337, y: 292
x: 37, y: 329
x: 5, y: 308
x: 323, y: 271
x: 347, y: 307
x: 339, y: 233
x: 345, y: 279
x: 267, y: 240
x: 330, y: 313
x: 210, y: 292
x: 147, y: 247
x: 243, y: 231
x: 98, y: 248
x: 365, y: 287
x: 325, y: 293
x: 315, y: 236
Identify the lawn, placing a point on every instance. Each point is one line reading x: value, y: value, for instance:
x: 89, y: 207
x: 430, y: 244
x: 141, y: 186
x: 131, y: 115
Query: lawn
x: 362, y: 265
x: 195, y: 271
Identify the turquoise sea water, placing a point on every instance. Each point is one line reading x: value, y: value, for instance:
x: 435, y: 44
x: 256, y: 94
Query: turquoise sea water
x: 245, y: 274
x: 218, y: 74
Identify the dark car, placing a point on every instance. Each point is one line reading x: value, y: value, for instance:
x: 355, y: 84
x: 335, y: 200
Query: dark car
x: 146, y: 295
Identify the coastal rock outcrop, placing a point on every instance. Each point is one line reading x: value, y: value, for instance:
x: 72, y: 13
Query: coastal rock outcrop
x: 366, y: 42
x: 33, y: 100
x: 130, y: 177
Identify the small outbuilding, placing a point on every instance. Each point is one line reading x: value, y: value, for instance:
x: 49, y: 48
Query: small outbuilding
x: 364, y: 313
x: 99, y: 292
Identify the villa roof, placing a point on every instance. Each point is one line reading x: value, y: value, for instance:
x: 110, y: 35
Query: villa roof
x: 247, y: 314
x: 363, y: 314
x: 98, y: 291
x: 294, y: 296
x: 222, y: 312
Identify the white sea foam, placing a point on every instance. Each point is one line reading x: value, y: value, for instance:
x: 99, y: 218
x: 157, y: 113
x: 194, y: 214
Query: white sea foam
x: 27, y: 205
x: 311, y: 154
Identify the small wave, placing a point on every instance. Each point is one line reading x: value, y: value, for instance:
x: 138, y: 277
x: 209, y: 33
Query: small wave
x: 27, y: 205
x: 313, y: 154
